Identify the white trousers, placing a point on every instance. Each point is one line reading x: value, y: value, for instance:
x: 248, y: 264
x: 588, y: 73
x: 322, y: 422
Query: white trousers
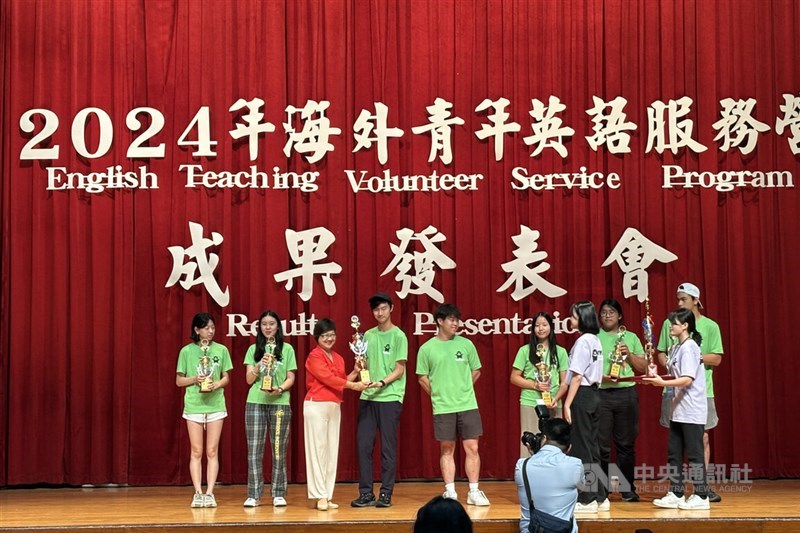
x: 321, y: 421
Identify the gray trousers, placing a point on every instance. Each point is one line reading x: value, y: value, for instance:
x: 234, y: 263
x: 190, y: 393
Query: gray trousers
x: 257, y: 419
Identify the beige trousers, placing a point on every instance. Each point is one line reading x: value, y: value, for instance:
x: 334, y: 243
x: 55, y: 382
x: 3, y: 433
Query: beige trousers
x: 321, y: 422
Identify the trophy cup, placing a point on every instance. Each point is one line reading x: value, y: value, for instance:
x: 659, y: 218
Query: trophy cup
x: 205, y: 370
x: 267, y: 368
x: 359, y: 348
x: 543, y: 373
x: 617, y: 357
x: 647, y: 327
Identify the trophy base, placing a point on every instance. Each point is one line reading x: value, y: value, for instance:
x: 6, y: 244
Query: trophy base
x: 652, y: 371
x: 547, y: 398
x: 266, y: 383
x: 364, y: 374
x: 205, y: 385
x: 615, y: 370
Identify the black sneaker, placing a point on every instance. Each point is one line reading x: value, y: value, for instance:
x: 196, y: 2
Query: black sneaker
x: 366, y: 499
x: 714, y: 497
x: 630, y: 497
x: 385, y: 500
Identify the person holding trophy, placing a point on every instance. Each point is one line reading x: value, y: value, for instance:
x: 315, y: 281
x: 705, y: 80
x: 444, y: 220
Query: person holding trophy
x: 325, y: 384
x: 688, y: 415
x: 386, y: 353
x: 619, y: 401
x: 711, y: 347
x: 271, y: 367
x: 539, y: 369
x: 203, y: 367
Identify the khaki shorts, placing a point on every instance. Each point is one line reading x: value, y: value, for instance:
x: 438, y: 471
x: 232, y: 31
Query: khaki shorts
x: 666, y: 413
x: 448, y: 426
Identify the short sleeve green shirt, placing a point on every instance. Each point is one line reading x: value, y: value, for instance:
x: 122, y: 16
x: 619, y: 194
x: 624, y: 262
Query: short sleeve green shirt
x: 609, y: 342
x: 288, y: 363
x: 449, y: 366
x: 194, y: 401
x: 384, y: 350
x: 522, y: 362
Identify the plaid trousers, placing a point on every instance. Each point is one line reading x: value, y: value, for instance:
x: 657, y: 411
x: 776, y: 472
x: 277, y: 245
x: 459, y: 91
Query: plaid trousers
x: 257, y: 418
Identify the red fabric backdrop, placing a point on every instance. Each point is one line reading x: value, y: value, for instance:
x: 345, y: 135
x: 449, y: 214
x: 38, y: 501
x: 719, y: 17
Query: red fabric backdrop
x: 90, y: 335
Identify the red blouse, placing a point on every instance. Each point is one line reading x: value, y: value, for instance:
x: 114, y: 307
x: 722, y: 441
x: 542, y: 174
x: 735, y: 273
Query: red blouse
x: 325, y: 378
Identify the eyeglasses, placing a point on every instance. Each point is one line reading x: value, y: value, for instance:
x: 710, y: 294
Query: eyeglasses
x: 608, y: 313
x: 328, y: 336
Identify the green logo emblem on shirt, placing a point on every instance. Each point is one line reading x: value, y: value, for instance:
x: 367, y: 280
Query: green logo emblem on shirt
x: 459, y: 355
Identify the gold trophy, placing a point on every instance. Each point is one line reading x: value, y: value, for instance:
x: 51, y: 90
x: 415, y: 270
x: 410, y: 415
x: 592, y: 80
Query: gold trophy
x: 543, y: 372
x: 647, y: 328
x: 617, y: 357
x: 359, y: 348
x: 205, y: 370
x: 267, y: 368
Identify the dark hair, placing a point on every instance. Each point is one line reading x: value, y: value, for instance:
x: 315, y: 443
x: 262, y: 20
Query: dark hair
x: 558, y: 431
x: 587, y: 317
x: 612, y: 303
x: 261, y: 340
x: 551, y: 340
x: 685, y: 316
x: 323, y: 325
x: 200, y: 321
x: 446, y: 310
x: 380, y: 298
x: 442, y: 515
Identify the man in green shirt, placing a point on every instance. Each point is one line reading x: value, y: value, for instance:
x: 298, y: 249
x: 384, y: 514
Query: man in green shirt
x: 711, y: 354
x: 382, y: 402
x: 447, y: 367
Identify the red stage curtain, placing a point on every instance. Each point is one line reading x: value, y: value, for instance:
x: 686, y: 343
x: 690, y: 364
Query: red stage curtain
x: 89, y: 335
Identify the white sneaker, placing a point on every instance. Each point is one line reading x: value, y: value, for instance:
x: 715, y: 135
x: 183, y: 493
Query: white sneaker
x: 586, y: 507
x: 251, y: 502
x: 279, y: 501
x: 670, y: 501
x: 477, y: 497
x: 197, y: 500
x: 694, y: 502
x: 605, y: 506
x: 209, y: 501
x: 450, y: 495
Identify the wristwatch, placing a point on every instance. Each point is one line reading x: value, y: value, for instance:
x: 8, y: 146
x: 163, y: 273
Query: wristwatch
x: 383, y: 383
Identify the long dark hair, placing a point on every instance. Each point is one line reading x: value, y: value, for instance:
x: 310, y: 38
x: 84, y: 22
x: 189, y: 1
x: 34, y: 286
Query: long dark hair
x: 685, y: 316
x: 261, y: 340
x: 442, y: 515
x: 551, y: 340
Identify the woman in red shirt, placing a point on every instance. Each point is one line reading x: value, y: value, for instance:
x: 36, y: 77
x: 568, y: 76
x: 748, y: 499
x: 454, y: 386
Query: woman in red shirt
x: 325, y: 384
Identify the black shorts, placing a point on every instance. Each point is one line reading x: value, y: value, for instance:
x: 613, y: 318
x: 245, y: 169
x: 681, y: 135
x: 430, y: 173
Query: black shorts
x: 466, y: 424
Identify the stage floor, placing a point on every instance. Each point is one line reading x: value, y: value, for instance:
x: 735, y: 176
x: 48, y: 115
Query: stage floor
x: 762, y: 506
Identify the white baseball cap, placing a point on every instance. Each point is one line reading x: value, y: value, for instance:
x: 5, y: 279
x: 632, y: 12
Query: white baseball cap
x: 692, y: 290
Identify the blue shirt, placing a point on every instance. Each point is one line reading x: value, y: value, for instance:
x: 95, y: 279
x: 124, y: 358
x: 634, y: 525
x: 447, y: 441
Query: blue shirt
x: 553, y: 477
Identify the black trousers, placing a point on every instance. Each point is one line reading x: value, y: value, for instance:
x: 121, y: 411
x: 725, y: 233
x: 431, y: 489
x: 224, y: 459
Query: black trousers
x: 374, y: 417
x: 585, y: 412
x: 688, y: 438
x: 619, y: 420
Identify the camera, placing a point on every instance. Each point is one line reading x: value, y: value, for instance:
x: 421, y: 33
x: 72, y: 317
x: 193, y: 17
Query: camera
x: 534, y: 441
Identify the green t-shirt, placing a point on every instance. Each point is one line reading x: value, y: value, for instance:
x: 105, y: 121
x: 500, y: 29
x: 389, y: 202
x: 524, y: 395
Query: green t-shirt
x: 711, y: 343
x: 530, y: 397
x: 384, y: 350
x: 288, y: 363
x: 194, y: 401
x: 449, y: 366
x: 608, y: 341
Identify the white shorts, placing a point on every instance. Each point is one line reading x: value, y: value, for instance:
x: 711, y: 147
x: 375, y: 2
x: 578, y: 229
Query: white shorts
x: 203, y: 418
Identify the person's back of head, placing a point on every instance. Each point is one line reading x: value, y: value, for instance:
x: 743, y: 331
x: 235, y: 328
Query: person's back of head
x: 442, y: 515
x: 558, y: 433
